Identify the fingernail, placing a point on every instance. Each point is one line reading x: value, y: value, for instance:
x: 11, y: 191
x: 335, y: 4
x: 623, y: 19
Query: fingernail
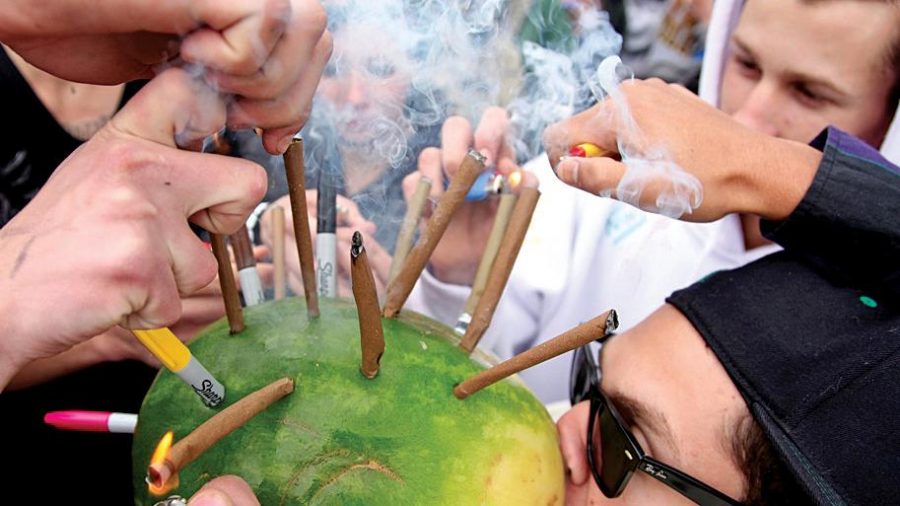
x: 567, y: 170
x: 285, y: 143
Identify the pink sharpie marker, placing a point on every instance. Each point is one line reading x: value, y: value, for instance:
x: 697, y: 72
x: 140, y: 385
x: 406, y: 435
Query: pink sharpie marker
x: 92, y: 421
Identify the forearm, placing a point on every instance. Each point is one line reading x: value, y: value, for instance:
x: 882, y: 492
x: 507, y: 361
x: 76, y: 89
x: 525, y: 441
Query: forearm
x: 45, y: 369
x: 779, y: 176
x: 11, y: 353
x: 28, y: 18
x: 8, y: 363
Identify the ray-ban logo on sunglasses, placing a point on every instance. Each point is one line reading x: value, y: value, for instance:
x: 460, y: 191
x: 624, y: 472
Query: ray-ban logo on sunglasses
x: 655, y: 471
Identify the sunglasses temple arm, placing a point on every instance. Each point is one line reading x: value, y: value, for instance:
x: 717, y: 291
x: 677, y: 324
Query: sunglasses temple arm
x: 686, y: 485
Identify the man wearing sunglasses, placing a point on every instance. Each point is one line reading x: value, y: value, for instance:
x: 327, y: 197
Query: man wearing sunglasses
x: 776, y: 383
x: 615, y: 452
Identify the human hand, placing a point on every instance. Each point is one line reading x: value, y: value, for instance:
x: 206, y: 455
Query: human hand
x: 106, y: 241
x: 198, y: 310
x: 269, y: 54
x: 225, y: 491
x: 349, y: 217
x: 740, y: 170
x: 457, y: 255
x: 572, y: 429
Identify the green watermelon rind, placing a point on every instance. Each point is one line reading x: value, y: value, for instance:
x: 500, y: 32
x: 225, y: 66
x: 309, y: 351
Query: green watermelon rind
x: 401, y: 438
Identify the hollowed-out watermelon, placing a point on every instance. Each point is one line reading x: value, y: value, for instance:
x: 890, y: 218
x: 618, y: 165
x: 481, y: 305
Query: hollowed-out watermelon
x: 401, y: 438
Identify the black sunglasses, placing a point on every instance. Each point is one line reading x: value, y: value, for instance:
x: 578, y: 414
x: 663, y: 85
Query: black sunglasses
x: 612, y: 450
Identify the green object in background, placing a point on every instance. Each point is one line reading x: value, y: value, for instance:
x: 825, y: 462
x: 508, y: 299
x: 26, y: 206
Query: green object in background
x: 868, y: 301
x: 548, y: 25
x: 401, y: 438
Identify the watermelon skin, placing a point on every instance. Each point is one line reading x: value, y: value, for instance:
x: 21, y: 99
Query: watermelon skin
x: 401, y: 438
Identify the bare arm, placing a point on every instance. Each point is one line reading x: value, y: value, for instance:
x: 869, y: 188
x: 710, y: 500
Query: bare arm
x: 106, y: 241
x: 269, y: 54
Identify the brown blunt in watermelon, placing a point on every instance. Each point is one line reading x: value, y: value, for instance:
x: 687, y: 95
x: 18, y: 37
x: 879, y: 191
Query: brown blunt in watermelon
x: 401, y: 438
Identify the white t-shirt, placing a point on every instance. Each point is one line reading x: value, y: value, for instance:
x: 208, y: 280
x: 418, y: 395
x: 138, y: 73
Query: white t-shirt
x: 583, y: 255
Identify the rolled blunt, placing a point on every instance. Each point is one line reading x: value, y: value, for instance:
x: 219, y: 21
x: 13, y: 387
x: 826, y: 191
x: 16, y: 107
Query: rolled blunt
x: 414, y: 210
x: 294, y: 166
x: 503, y: 265
x: 370, y: 331
x: 251, y: 284
x: 214, y: 429
x: 229, y: 287
x: 567, y: 341
x: 399, y: 289
x: 278, y: 251
x: 501, y: 220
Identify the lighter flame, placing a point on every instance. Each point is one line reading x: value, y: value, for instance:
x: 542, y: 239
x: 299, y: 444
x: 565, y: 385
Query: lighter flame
x: 162, y: 449
x: 515, y: 178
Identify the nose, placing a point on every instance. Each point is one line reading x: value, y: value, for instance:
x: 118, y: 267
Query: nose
x: 762, y: 109
x: 357, y: 94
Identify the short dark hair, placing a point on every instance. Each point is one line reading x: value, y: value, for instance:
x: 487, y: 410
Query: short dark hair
x: 768, y: 480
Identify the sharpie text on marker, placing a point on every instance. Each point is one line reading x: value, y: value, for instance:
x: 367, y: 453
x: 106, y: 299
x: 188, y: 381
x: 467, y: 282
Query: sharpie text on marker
x: 173, y: 354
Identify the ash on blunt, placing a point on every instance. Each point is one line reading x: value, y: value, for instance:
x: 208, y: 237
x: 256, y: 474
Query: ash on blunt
x: 597, y: 329
x: 370, y: 327
x: 399, y: 289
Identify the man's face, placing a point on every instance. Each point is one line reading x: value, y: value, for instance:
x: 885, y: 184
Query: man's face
x: 679, y: 402
x: 367, y: 80
x: 797, y: 66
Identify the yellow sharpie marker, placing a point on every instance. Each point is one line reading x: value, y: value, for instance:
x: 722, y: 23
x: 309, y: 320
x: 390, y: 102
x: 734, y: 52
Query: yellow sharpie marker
x: 173, y: 354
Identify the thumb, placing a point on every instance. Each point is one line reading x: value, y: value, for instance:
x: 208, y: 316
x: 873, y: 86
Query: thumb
x: 598, y: 175
x: 173, y: 109
x: 225, y: 491
x: 210, y: 497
